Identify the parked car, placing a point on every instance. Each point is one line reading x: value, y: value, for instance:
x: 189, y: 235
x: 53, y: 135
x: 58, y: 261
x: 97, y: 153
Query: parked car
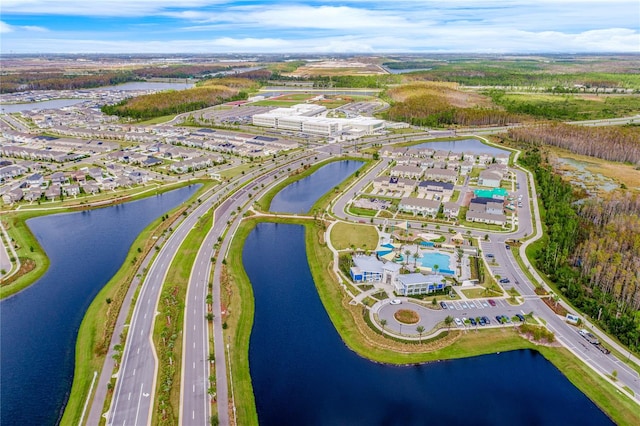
x: 520, y: 317
x: 481, y: 321
x: 486, y: 320
x: 396, y: 302
x: 473, y: 321
x: 458, y: 322
x: 499, y: 319
x: 492, y: 302
x: 443, y: 305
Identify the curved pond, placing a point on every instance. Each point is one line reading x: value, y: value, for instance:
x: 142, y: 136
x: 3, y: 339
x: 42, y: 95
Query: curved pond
x: 40, y: 324
x: 463, y: 146
x: 53, y: 104
x: 303, y: 373
x: 299, y: 196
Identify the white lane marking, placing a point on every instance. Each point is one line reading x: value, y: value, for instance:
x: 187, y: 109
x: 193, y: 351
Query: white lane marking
x: 128, y: 399
x: 134, y: 371
x: 139, y: 400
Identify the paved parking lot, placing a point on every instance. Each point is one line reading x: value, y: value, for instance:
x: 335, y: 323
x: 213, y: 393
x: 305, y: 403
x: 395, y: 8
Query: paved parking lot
x: 461, y: 309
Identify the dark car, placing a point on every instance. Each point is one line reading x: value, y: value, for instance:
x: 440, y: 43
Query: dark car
x: 473, y: 321
x: 520, y: 317
x: 505, y: 281
x: 492, y: 302
x: 486, y: 320
x: 443, y: 305
x: 481, y: 321
x: 499, y: 319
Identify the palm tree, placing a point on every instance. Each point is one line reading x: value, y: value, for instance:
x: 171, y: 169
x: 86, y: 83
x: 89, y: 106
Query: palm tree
x: 435, y: 268
x: 407, y: 253
x: 416, y: 256
x: 383, y: 322
x: 448, y: 321
x: 420, y: 330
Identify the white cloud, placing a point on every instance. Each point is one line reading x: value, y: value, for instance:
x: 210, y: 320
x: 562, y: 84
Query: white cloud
x: 99, y: 7
x: 6, y: 28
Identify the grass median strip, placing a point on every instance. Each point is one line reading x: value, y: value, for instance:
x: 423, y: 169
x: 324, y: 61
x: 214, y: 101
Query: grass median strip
x: 98, y: 324
x: 168, y: 329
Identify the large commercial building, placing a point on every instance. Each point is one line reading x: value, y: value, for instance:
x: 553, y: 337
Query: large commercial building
x: 303, y: 118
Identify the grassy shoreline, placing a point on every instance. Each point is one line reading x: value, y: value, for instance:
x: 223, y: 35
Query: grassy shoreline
x: 29, y: 247
x: 361, y: 339
x: 96, y: 329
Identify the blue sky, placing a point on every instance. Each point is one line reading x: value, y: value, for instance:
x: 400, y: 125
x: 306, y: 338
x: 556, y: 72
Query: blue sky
x: 358, y: 26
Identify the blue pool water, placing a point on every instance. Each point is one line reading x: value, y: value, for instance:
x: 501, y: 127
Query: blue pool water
x: 429, y: 259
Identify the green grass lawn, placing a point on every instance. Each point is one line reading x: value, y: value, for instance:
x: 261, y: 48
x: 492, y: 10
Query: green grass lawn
x: 346, y: 235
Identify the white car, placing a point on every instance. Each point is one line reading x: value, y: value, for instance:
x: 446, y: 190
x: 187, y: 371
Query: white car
x: 395, y: 302
x: 458, y: 322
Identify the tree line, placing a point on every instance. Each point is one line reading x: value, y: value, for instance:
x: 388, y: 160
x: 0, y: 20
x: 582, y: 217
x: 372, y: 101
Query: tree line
x: 31, y: 80
x: 591, y: 250
x: 173, y: 102
x: 431, y: 106
x: 613, y: 143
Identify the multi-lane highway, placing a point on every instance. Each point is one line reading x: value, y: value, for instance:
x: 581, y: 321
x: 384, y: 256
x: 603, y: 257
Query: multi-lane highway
x: 133, y: 399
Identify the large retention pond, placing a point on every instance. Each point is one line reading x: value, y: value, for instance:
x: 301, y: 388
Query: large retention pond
x: 299, y: 196
x: 40, y: 324
x: 303, y: 374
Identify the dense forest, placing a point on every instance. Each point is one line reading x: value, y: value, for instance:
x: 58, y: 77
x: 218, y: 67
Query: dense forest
x: 613, y: 143
x: 523, y: 75
x: 440, y: 105
x: 590, y: 251
x: 180, y: 71
x: 31, y: 80
x: 357, y: 81
x: 173, y: 102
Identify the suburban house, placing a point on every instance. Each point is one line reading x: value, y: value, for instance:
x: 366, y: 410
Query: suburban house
x: 387, y: 183
x: 412, y: 172
x: 451, y: 209
x: 502, y: 159
x: 466, y: 167
x: 417, y: 283
x: 486, y: 205
x: 490, y: 178
x: 444, y: 175
x: 492, y: 219
x: 435, y: 189
x: 419, y: 206
x: 12, y: 196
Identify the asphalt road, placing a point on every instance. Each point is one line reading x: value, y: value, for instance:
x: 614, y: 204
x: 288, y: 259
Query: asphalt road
x: 506, y: 266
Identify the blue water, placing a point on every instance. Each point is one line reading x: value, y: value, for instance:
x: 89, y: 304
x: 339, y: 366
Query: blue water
x: 429, y: 259
x: 302, y: 194
x: 53, y: 104
x: 303, y: 374
x: 39, y: 325
x: 463, y: 146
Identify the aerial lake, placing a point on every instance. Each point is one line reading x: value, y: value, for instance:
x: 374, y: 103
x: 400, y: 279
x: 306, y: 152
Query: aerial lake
x: 303, y: 374
x: 463, y: 146
x: 40, y: 324
x: 299, y: 196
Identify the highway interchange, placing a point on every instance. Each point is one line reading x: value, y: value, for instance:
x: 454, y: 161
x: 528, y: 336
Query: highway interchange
x: 132, y: 402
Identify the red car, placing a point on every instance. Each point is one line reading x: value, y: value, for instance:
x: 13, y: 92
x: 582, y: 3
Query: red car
x: 492, y: 302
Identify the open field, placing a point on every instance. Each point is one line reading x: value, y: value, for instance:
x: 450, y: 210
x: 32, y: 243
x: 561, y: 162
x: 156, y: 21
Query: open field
x: 568, y: 107
x: 348, y: 235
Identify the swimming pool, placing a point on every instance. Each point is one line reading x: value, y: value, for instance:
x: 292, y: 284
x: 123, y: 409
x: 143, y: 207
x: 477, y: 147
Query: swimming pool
x: 430, y: 258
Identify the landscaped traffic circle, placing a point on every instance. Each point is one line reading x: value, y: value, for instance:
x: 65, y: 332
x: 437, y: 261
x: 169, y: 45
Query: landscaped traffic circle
x: 406, y: 316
